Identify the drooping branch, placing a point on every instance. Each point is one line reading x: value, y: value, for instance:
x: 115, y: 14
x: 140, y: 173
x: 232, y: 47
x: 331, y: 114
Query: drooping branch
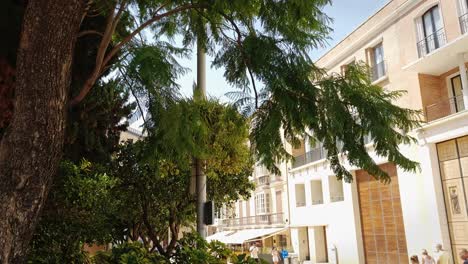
x: 130, y: 87
x: 244, y: 56
x: 102, y: 59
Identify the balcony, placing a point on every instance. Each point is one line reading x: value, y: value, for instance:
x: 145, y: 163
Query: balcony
x: 268, y: 219
x: 263, y: 181
x: 378, y: 71
x: 431, y: 43
x: 464, y: 23
x: 444, y: 108
x: 308, y: 157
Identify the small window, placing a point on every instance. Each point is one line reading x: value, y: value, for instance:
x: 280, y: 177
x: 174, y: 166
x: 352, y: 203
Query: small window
x: 431, y: 35
x: 378, y: 63
x: 316, y: 192
x: 344, y: 68
x: 262, y: 203
x: 336, y: 189
x: 300, y: 195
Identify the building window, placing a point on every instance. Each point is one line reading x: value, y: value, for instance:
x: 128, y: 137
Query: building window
x: 262, y: 203
x: 345, y: 67
x: 463, y: 16
x: 336, y: 189
x: 282, y: 241
x: 300, y: 195
x: 431, y: 33
x: 316, y: 192
x: 378, y: 64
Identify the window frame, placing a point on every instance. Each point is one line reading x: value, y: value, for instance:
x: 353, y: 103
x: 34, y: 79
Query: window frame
x: 430, y: 12
x: 376, y: 64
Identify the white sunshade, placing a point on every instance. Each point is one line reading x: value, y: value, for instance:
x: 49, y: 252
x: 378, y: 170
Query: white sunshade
x: 220, y: 236
x: 239, y: 237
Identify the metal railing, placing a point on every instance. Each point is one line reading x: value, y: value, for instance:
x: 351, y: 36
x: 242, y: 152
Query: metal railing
x: 378, y: 71
x: 444, y: 108
x: 267, y: 219
x: 308, y: 157
x: 318, y: 201
x: 464, y: 23
x: 319, y: 153
x: 336, y: 198
x: 431, y: 42
x: 263, y: 180
x: 300, y: 204
x: 261, y: 171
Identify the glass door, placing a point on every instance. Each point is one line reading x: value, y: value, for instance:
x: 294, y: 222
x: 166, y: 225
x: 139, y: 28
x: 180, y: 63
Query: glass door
x: 457, y: 93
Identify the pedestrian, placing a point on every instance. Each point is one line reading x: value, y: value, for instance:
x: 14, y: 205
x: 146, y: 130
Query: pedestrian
x: 275, y: 255
x: 254, y: 252
x: 442, y: 256
x: 414, y: 259
x: 464, y: 255
x: 426, y: 259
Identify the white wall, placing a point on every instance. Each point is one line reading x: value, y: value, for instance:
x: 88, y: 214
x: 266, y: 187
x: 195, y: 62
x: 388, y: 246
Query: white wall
x: 340, y: 233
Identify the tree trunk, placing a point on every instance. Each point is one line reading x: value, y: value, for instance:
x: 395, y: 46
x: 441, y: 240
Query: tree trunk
x: 32, y: 146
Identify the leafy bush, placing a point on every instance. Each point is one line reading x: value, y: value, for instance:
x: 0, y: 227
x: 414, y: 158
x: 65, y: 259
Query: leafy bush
x: 191, y: 249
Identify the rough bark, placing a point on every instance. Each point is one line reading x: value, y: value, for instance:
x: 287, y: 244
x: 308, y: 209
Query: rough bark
x: 31, y: 147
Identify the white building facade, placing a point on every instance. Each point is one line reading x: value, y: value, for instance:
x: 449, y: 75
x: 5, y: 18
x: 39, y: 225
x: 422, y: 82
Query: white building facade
x: 414, y: 45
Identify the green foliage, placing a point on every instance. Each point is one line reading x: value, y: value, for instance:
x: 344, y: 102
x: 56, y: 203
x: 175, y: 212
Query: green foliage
x: 128, y: 253
x: 340, y: 111
x: 191, y: 249
x: 94, y: 126
x: 194, y: 249
x: 268, y: 42
x: 77, y: 213
x: 214, y: 133
x: 207, y: 130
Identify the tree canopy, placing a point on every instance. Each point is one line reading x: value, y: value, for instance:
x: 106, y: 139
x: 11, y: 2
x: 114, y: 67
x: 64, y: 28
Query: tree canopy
x: 263, y: 47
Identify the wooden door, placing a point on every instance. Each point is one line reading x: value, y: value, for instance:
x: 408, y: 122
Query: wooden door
x: 381, y: 218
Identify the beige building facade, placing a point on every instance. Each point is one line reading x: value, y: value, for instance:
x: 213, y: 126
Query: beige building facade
x: 263, y: 218
x: 420, y: 46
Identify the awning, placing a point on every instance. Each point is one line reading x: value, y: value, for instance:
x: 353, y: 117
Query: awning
x: 220, y: 236
x: 242, y: 236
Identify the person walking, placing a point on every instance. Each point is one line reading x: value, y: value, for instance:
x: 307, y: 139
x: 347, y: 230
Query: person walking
x: 426, y: 259
x: 275, y: 255
x: 464, y: 255
x: 414, y: 259
x: 442, y: 256
x: 254, y: 252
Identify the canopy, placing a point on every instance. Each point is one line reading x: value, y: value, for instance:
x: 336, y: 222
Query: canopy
x: 242, y: 236
x: 220, y: 236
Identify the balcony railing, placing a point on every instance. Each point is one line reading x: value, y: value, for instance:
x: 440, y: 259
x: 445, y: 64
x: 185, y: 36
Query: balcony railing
x: 431, y: 42
x: 300, y: 204
x: 308, y: 157
x: 464, y: 23
x: 263, y: 180
x: 378, y: 71
x: 318, y: 201
x: 444, y: 108
x: 268, y: 219
x: 336, y: 198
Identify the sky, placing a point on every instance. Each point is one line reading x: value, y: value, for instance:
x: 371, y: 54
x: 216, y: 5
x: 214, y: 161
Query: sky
x: 347, y: 15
